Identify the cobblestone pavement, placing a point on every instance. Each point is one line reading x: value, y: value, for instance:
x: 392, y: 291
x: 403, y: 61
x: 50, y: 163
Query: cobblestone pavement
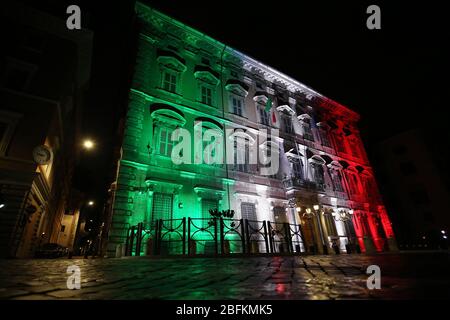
x: 403, y: 276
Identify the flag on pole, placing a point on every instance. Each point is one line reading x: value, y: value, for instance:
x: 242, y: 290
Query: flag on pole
x: 268, y: 104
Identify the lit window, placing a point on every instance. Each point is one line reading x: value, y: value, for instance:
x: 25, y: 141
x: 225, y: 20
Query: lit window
x: 264, y: 115
x: 170, y: 82
x: 325, y: 140
x: 237, y: 106
x: 297, y: 169
x: 319, y: 176
x: 337, y: 182
x: 241, y: 157
x: 340, y: 143
x: 206, y: 95
x: 165, y: 142
x: 355, y: 148
x: 307, y: 132
x: 288, y: 124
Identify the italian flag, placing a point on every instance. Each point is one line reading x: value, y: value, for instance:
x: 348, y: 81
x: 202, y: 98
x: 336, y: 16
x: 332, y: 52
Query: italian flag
x: 268, y: 108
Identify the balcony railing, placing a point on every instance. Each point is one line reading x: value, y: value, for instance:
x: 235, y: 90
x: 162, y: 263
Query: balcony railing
x: 295, y: 182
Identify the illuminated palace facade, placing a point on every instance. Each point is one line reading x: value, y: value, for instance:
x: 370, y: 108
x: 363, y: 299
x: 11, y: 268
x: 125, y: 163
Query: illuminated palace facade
x: 182, y: 78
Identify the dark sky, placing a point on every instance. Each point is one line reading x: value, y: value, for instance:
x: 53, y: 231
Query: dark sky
x: 394, y: 76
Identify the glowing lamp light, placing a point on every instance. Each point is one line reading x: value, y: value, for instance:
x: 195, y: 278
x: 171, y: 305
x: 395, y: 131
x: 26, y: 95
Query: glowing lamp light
x: 445, y: 237
x: 88, y: 144
x: 316, y: 207
x: 443, y: 231
x: 299, y: 209
x: 2, y: 205
x: 90, y: 203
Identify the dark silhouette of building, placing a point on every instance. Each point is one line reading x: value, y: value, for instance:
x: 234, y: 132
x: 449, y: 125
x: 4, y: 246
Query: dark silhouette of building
x: 415, y: 181
x: 45, y: 71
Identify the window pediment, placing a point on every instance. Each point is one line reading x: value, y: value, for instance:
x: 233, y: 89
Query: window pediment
x: 286, y: 109
x: 207, y: 75
x: 260, y: 97
x: 335, y: 165
x: 237, y: 87
x: 205, y: 192
x: 167, y: 115
x: 304, y: 117
x: 172, y: 61
x: 323, y: 125
x: 317, y: 160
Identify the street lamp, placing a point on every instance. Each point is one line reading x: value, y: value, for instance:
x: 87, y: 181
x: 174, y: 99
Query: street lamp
x: 90, y: 203
x: 2, y: 202
x: 88, y: 144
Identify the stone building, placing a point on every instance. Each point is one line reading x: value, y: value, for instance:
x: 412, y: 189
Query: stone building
x: 185, y: 79
x: 45, y: 72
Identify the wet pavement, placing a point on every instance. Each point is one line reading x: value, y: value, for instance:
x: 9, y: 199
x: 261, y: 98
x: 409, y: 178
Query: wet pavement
x: 403, y: 276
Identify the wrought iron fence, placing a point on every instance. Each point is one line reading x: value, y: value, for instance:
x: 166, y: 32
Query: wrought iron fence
x: 214, y: 236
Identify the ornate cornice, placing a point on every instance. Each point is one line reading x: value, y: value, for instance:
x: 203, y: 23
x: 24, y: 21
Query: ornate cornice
x: 192, y: 40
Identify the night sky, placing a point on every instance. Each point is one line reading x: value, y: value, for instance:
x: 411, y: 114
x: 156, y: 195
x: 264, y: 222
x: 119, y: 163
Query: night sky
x: 396, y: 77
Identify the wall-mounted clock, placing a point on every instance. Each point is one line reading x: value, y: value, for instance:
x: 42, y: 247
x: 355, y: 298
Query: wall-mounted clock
x: 42, y: 155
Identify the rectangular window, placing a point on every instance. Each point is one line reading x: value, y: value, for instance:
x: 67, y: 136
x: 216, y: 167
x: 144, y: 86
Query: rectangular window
x: 340, y: 144
x: 297, y: 169
x: 207, y: 95
x: 325, y: 140
x: 162, y: 207
x: 307, y: 133
x: 337, y: 182
x: 237, y: 106
x: 264, y: 115
x: 165, y: 142
x: 355, y: 148
x: 279, y: 214
x: 248, y: 211
x: 241, y: 158
x: 353, y: 184
x: 170, y: 82
x: 319, y: 176
x: 205, y: 61
x: 288, y: 124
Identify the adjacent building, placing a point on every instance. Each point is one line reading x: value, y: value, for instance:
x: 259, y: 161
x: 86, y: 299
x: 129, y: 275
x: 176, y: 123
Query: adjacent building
x: 45, y: 70
x: 412, y: 166
x: 185, y: 79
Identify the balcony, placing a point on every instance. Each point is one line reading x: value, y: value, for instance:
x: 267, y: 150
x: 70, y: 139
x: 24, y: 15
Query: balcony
x: 297, y: 183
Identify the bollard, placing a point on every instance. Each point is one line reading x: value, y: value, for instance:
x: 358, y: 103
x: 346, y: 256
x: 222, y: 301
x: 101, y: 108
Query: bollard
x: 119, y: 251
